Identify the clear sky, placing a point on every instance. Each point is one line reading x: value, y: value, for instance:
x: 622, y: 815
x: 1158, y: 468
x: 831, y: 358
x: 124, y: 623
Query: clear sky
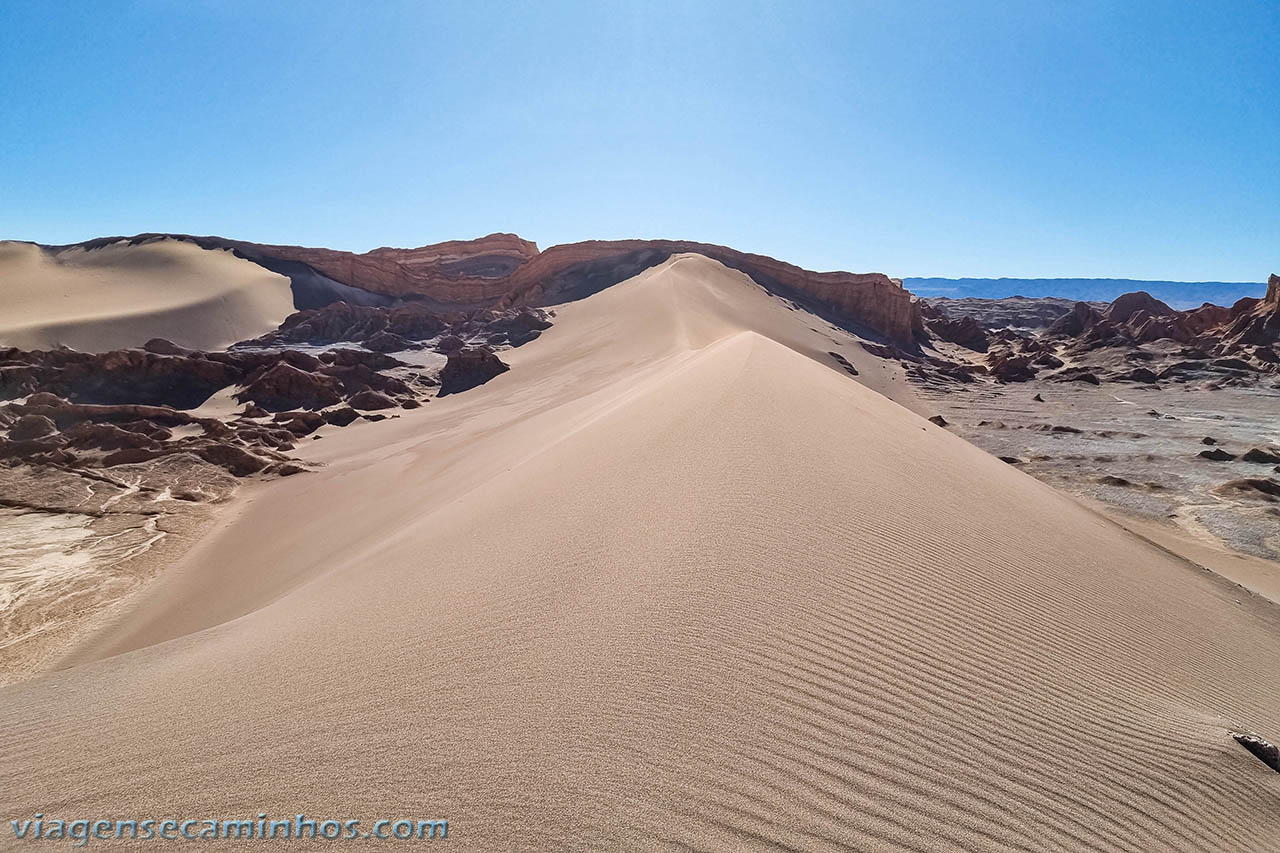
x: 1020, y: 138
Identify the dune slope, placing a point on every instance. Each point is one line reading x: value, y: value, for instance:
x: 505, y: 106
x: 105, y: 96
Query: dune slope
x: 121, y: 296
x: 673, y: 581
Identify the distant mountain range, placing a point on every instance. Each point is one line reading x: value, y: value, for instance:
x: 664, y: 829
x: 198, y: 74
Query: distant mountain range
x: 1178, y: 294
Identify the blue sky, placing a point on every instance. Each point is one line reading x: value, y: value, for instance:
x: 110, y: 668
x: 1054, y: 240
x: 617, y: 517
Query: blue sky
x: 1137, y: 140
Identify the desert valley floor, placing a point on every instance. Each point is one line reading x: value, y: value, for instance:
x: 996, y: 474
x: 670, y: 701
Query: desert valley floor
x: 676, y: 580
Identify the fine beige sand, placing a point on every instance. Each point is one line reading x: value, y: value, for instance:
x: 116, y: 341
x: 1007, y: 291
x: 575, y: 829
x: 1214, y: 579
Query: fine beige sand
x: 122, y: 296
x: 675, y: 581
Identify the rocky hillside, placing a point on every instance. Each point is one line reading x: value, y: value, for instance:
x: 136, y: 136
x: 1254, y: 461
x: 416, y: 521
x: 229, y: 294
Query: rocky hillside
x: 1137, y: 338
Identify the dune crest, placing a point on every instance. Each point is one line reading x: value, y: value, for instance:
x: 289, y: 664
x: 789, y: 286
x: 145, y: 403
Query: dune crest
x: 122, y: 295
x: 675, y: 579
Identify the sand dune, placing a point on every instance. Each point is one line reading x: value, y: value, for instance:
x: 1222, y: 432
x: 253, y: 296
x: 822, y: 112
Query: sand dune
x: 121, y: 296
x: 675, y: 580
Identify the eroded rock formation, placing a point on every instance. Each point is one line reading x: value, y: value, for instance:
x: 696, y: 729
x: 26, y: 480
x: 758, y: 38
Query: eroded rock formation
x: 1136, y: 338
x: 504, y: 271
x: 88, y: 411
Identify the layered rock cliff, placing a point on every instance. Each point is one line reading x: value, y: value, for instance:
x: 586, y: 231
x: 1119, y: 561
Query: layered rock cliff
x: 459, y: 274
x: 503, y: 270
x: 574, y: 270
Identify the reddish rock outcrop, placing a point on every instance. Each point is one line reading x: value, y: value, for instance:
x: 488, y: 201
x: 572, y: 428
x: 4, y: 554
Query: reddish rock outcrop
x: 458, y: 273
x: 1257, y: 324
x: 1127, y: 304
x: 1206, y: 317
x: 504, y: 271
x: 1081, y: 318
x: 1144, y: 328
x: 573, y: 270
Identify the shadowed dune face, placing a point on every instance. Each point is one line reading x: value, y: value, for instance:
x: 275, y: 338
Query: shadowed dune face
x: 675, y: 579
x: 121, y: 295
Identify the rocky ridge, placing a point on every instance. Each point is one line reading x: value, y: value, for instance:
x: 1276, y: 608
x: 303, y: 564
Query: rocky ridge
x: 1136, y: 338
x: 503, y: 271
x: 1011, y: 312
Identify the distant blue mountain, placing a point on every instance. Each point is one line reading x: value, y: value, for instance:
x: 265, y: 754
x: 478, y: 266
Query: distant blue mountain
x: 1178, y: 294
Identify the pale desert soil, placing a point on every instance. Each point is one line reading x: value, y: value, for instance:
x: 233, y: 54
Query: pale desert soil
x: 1136, y: 450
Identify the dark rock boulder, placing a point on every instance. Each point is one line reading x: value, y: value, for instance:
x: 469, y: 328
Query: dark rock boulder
x: 236, y: 460
x: 844, y: 363
x: 353, y: 357
x: 1260, y: 749
x: 1265, y: 488
x: 519, y: 325
x: 965, y: 331
x: 369, y: 400
x: 283, y: 387
x: 1139, y: 374
x: 300, y: 422
x: 468, y: 368
x: 449, y: 343
x: 30, y: 427
x: 341, y: 416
